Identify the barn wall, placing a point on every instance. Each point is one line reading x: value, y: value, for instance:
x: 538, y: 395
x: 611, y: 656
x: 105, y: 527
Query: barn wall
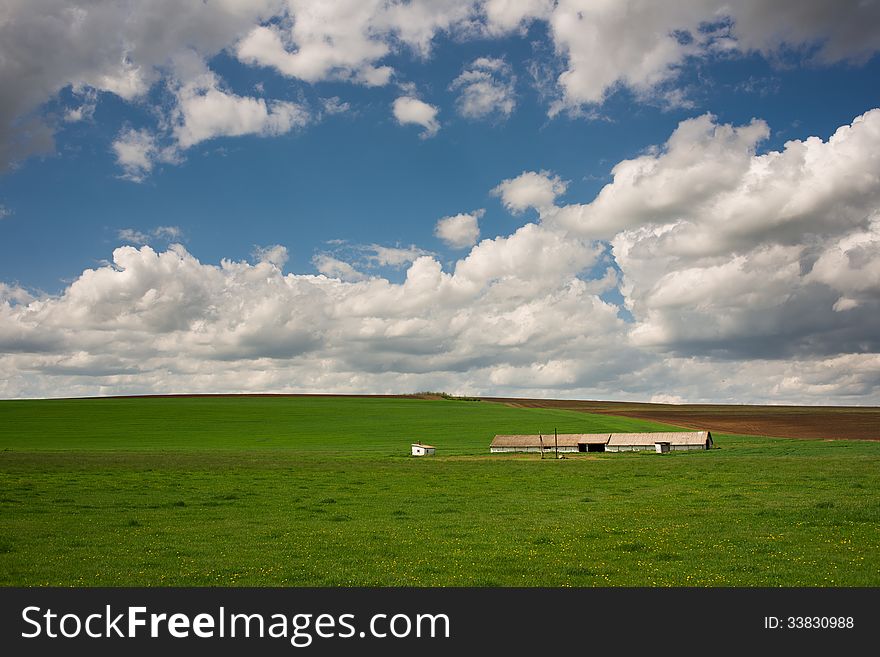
x: 532, y: 450
x: 644, y: 448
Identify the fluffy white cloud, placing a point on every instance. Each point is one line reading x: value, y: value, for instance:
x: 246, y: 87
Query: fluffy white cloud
x: 527, y: 263
x: 104, y: 45
x: 417, y: 22
x: 850, y: 265
x: 461, y: 230
x: 414, y: 111
x: 640, y: 44
x: 163, y: 321
x: 598, y: 47
x: 204, y: 111
x: 274, y: 255
x: 392, y: 256
x: 731, y: 253
x: 507, y: 15
x: 346, y: 39
x: 13, y: 294
x: 336, y: 268
x: 136, y: 151
x: 156, y: 319
x: 632, y: 43
x: 486, y: 88
x: 530, y: 190
x: 714, y: 194
x: 321, y: 40
x: 312, y: 41
x: 745, y: 276
x: 699, y: 162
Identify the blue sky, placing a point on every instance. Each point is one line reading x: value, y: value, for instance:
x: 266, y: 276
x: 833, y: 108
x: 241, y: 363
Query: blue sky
x: 236, y: 147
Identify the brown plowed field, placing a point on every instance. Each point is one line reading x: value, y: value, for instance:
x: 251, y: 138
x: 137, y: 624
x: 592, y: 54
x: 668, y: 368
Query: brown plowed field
x: 829, y: 422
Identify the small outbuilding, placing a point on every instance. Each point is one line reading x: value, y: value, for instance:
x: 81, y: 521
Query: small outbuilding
x: 418, y: 449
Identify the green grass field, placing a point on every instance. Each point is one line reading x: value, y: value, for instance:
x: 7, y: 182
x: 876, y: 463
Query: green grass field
x: 322, y: 492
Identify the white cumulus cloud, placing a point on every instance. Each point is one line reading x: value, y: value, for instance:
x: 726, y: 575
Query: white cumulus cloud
x: 409, y: 110
x: 732, y: 253
x: 322, y: 40
x: 348, y: 39
x: 642, y: 45
x: 461, y: 230
x: 136, y: 152
x: 155, y: 319
x: 336, y: 268
x: 126, y: 49
x: 205, y: 111
x: 530, y: 189
x: 275, y: 254
x: 100, y: 45
x: 486, y: 89
x: 508, y: 15
x: 391, y: 256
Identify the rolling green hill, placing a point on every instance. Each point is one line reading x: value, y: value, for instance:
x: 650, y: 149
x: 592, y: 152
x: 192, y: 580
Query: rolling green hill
x: 360, y: 424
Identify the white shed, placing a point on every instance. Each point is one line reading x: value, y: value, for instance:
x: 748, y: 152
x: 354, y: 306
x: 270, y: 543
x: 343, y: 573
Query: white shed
x: 418, y: 449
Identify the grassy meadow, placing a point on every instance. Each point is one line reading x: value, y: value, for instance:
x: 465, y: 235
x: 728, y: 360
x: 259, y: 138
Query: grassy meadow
x: 311, y: 491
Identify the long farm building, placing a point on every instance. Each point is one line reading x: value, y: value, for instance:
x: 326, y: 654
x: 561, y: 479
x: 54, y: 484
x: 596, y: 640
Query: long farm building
x: 604, y: 442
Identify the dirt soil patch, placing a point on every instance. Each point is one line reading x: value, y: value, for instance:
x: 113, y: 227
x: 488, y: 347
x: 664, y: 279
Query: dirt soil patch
x: 818, y: 422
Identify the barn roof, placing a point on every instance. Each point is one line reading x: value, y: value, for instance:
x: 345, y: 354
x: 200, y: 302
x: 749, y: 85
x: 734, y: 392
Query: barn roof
x: 423, y: 445
x: 575, y: 439
x: 671, y: 437
x: 563, y: 440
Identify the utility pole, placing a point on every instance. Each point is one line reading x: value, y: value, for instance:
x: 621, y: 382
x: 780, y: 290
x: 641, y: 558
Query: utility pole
x: 541, y: 438
x: 556, y: 442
